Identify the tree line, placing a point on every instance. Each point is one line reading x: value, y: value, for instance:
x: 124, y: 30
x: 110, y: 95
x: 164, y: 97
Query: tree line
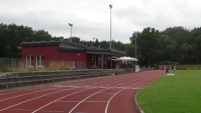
x: 175, y: 44
x: 12, y: 35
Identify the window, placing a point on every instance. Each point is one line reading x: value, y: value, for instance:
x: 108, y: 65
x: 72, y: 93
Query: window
x: 39, y: 61
x: 29, y: 61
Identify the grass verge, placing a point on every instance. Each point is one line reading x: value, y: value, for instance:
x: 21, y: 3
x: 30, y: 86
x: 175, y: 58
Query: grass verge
x: 192, y: 67
x: 173, y: 94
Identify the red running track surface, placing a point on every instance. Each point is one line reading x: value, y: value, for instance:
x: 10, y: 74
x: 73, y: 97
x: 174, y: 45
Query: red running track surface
x: 111, y: 94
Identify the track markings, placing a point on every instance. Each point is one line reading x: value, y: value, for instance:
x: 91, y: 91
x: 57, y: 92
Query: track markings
x: 106, y: 89
x: 102, y: 87
x: 53, y: 111
x: 20, y: 109
x: 79, y: 101
x: 109, y: 101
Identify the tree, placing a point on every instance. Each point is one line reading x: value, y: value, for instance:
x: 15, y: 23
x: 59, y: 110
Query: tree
x: 148, y: 46
x: 12, y: 35
x: 130, y: 50
x: 167, y: 46
x: 96, y: 43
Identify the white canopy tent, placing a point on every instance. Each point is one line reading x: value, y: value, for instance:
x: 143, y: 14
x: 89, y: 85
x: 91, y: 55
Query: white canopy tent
x: 125, y: 58
x: 128, y: 60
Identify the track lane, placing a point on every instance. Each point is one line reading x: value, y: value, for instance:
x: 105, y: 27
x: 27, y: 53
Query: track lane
x: 31, y: 98
x: 117, y: 104
x: 77, y: 98
x: 92, y: 95
x: 97, y: 106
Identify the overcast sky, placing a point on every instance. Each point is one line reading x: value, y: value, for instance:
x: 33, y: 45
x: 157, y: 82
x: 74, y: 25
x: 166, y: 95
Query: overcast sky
x: 91, y: 18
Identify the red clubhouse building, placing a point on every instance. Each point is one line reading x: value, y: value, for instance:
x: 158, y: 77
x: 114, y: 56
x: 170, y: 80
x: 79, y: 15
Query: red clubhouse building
x: 45, y: 53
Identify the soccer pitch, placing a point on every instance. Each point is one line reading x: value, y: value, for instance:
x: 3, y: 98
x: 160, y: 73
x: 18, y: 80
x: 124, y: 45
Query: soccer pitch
x: 180, y: 93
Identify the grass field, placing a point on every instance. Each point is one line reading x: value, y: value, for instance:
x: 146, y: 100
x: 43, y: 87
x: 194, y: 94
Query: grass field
x: 173, y: 94
x: 192, y: 67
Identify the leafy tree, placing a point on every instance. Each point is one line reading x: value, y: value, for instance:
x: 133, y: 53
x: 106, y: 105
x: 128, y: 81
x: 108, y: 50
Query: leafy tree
x: 96, y: 43
x: 12, y: 35
x: 148, y: 47
x: 130, y: 50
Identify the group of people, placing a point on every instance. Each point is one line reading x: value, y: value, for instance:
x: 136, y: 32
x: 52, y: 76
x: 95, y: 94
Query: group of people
x: 168, y: 68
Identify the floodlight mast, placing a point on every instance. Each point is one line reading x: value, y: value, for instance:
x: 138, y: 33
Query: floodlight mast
x: 110, y: 6
x: 71, y: 25
x: 136, y: 48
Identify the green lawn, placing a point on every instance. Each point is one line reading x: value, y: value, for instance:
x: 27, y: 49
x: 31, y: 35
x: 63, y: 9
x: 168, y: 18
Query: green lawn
x: 173, y: 94
x: 192, y: 67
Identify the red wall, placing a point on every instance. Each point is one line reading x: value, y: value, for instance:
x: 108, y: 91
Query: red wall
x: 52, y: 53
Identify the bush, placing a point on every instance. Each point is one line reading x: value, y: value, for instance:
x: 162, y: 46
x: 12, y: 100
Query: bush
x: 165, y: 63
x: 169, y: 63
x: 182, y: 68
x: 5, y: 69
x: 3, y: 66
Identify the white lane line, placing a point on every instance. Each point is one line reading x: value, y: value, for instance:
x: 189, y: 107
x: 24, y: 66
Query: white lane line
x: 22, y: 90
x: 25, y: 94
x: 30, y: 100
x: 123, y: 78
x: 67, y: 96
x: 79, y: 101
x: 99, y: 87
x: 107, y: 106
x: 20, y: 109
x: 53, y: 111
x: 94, y: 94
x: 83, y: 101
x: 59, y: 99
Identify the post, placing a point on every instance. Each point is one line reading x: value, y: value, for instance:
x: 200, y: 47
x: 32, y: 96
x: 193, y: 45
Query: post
x: 136, y: 49
x: 33, y: 78
x: 110, y: 6
x: 7, y: 86
x: 52, y: 77
x: 111, y: 62
x: 102, y: 61
x: 71, y: 25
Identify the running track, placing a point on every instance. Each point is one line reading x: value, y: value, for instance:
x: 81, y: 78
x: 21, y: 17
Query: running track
x: 110, y: 94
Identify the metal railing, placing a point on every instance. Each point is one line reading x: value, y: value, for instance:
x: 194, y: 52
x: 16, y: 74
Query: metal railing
x: 11, y: 80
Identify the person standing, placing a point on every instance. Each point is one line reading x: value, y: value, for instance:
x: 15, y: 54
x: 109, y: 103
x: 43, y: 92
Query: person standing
x: 174, y: 69
x: 167, y: 69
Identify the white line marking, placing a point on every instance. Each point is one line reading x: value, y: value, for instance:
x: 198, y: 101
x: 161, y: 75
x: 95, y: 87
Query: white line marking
x: 21, y: 109
x: 105, y: 82
x: 94, y: 94
x: 107, y: 106
x: 29, y: 100
x: 25, y: 94
x: 53, y: 111
x: 58, y: 99
x: 80, y: 91
x: 79, y: 101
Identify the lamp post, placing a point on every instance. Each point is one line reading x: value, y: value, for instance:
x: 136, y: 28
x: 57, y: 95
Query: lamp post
x: 71, y: 25
x: 136, y: 48
x: 110, y: 6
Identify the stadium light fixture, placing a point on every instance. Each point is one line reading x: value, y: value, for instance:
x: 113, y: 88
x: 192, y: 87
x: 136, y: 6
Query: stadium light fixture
x: 110, y: 6
x: 71, y: 25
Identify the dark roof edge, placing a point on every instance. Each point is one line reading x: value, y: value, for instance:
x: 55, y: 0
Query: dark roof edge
x: 42, y: 43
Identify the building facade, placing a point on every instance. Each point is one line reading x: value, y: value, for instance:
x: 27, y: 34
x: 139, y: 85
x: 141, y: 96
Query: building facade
x: 63, y: 53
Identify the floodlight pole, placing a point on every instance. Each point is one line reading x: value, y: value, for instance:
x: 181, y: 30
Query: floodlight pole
x: 110, y: 6
x: 135, y: 49
x: 71, y: 25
